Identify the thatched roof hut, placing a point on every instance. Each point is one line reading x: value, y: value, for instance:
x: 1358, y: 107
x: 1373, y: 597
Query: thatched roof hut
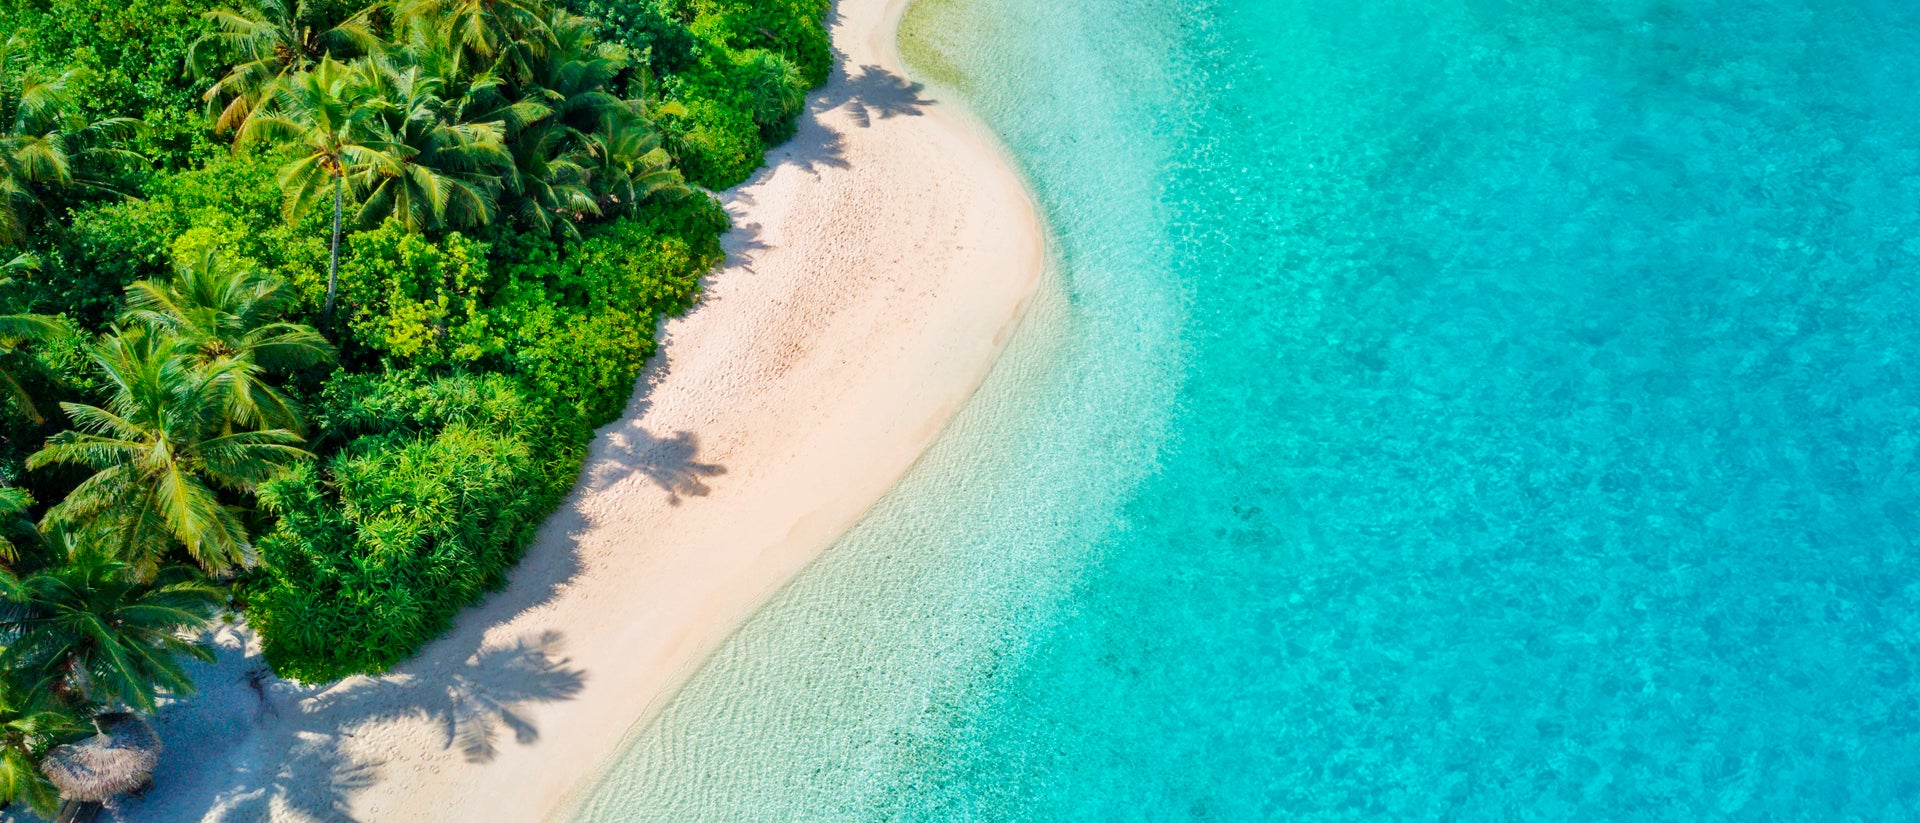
x: 118, y: 760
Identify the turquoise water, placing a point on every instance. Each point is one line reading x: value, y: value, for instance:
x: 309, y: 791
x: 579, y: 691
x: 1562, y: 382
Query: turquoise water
x: 1447, y: 409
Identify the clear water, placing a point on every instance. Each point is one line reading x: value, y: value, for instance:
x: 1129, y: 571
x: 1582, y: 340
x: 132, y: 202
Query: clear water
x: 1467, y: 409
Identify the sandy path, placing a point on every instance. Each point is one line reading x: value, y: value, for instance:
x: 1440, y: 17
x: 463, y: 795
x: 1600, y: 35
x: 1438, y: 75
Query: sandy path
x: 878, y: 265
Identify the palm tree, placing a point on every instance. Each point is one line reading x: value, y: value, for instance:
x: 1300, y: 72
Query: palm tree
x: 572, y: 77
x: 627, y: 165
x: 225, y: 316
x: 93, y: 633
x: 425, y: 171
x: 15, y: 504
x: 316, y: 115
x: 471, y: 90
x: 17, y: 330
x: 550, y: 185
x: 547, y: 182
x: 159, y: 450
x: 46, y: 144
x: 27, y: 731
x: 261, y: 49
x: 485, y: 28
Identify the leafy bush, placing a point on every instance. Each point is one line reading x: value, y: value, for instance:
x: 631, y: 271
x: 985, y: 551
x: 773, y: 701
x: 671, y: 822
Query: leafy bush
x: 646, y: 27
x: 416, y: 301
x: 373, y: 554
x: 583, y: 327
x: 52, y: 369
x: 713, y: 137
x: 794, y: 29
x: 756, y: 61
x: 133, y: 55
x: 230, y: 205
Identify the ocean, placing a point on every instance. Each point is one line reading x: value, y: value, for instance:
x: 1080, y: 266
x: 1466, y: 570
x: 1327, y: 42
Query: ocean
x: 1439, y: 409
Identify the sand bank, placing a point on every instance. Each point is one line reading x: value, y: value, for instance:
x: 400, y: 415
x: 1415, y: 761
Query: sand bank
x: 876, y: 268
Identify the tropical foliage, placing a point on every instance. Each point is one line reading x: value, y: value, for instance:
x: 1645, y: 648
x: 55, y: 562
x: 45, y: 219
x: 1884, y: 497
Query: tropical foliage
x: 162, y: 449
x: 90, y: 632
x: 225, y: 317
x: 29, y: 726
x: 15, y: 331
x: 313, y: 305
x: 48, y: 146
x: 257, y: 51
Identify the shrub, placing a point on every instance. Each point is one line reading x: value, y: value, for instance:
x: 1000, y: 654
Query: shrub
x: 583, y: 327
x: 415, y: 301
x: 231, y: 205
x: 756, y: 61
x: 646, y: 28
x: 374, y: 553
x: 714, y: 138
x: 794, y: 29
x: 134, y: 56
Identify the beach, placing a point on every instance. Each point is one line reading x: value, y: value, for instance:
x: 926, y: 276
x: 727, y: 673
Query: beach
x: 877, y: 266
x: 1525, y: 392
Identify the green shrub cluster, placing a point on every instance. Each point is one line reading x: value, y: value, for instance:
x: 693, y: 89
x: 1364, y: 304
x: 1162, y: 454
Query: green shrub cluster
x: 582, y: 325
x: 419, y: 514
x: 756, y: 60
x: 132, y: 58
x: 231, y: 205
x: 495, y: 370
x: 647, y: 27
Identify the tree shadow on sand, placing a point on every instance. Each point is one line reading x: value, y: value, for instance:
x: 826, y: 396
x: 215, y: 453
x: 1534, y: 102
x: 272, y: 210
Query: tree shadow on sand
x: 742, y: 243
x: 667, y: 462
x: 873, y: 93
x: 868, y: 93
x: 472, y: 701
x: 306, y: 768
x: 480, y: 700
x: 311, y: 784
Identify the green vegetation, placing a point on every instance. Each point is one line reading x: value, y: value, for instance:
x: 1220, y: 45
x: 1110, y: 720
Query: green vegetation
x: 311, y: 308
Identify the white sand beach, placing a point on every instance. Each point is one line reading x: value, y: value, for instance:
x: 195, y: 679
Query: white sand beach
x: 877, y: 266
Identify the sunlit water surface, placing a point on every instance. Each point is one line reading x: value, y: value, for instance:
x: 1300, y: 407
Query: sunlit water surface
x: 1469, y: 409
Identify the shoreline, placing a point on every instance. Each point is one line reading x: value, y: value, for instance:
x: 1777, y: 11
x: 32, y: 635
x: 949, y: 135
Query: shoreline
x: 878, y: 264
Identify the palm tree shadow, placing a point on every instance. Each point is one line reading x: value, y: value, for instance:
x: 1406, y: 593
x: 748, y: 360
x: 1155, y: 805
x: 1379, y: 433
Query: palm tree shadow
x: 311, y: 784
x: 742, y: 244
x: 868, y: 94
x: 473, y: 701
x: 877, y: 94
x: 812, y: 148
x: 303, y: 766
x: 668, y: 462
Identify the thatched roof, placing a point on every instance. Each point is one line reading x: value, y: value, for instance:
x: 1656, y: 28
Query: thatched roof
x: 117, y: 760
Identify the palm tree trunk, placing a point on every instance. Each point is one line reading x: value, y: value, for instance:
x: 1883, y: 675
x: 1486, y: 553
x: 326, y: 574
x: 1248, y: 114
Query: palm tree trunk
x: 333, y: 257
x: 72, y: 689
x: 75, y: 811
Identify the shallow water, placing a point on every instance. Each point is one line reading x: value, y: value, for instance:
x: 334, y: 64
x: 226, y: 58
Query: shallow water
x: 1483, y: 409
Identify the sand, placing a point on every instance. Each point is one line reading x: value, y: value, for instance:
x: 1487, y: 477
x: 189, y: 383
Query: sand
x: 877, y: 267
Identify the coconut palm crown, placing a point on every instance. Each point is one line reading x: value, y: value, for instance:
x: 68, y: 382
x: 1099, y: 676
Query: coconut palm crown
x: 316, y: 118
x: 254, y: 50
x: 160, y: 449
x: 47, y: 145
x: 89, y: 632
x: 226, y: 318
